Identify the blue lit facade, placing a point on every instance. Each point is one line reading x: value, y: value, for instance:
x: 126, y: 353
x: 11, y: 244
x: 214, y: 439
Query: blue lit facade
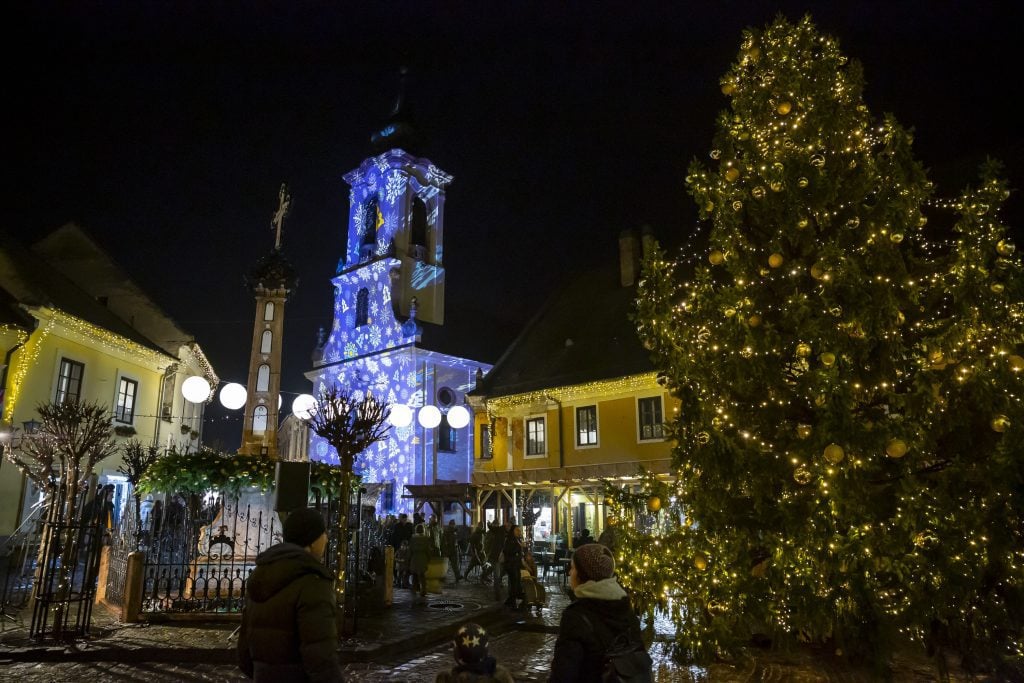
x: 388, y: 285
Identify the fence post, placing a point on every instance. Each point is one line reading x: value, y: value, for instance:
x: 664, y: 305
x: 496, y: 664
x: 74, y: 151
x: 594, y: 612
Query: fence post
x: 389, y: 574
x: 102, y: 574
x: 132, y: 606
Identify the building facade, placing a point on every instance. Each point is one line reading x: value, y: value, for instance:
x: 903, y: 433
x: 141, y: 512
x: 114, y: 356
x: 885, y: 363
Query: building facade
x: 573, y: 403
x: 74, y: 327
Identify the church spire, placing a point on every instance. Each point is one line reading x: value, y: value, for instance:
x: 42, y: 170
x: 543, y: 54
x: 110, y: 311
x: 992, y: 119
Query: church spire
x: 398, y: 131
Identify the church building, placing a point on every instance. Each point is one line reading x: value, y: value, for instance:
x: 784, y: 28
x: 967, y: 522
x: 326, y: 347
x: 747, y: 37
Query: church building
x: 388, y: 316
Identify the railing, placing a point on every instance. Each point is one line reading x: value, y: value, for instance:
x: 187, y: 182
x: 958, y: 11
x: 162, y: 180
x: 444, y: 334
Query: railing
x: 18, y: 555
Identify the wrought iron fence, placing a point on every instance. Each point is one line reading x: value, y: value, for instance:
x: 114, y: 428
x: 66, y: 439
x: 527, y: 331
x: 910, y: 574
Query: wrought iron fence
x: 18, y: 555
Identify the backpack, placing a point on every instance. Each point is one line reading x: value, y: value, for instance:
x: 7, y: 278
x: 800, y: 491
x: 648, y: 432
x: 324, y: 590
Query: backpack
x: 625, y: 659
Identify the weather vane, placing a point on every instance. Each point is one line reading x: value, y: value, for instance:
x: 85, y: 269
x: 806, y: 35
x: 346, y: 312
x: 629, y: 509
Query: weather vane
x: 284, y: 201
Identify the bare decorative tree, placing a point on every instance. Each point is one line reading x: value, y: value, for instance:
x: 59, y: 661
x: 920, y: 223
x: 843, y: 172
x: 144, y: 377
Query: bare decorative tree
x: 135, y: 460
x: 350, y: 426
x: 59, y: 458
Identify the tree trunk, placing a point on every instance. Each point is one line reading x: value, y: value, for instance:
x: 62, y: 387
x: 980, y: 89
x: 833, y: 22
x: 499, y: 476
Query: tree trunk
x: 342, y: 549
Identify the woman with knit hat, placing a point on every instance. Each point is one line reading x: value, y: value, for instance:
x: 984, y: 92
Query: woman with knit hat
x: 599, y: 629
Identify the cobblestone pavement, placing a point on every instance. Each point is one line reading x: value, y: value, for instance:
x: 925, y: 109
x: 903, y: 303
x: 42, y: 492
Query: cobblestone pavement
x: 523, y: 643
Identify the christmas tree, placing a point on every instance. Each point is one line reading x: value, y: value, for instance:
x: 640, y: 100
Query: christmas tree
x: 848, y: 351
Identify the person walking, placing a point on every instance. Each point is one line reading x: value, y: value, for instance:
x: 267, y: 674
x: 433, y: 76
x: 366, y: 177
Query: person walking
x: 473, y: 663
x: 288, y: 630
x: 450, y: 549
x: 512, y: 561
x: 476, y: 549
x: 494, y: 540
x: 599, y: 629
x: 420, y: 552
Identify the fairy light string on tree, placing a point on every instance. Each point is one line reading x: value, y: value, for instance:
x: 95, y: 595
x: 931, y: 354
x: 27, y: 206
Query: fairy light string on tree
x: 848, y: 358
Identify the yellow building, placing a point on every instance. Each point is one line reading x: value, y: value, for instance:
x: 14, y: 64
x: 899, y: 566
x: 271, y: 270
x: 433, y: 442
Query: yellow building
x: 74, y: 327
x: 573, y: 402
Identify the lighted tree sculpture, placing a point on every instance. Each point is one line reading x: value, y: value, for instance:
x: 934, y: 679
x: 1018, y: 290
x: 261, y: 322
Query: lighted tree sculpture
x: 849, y: 455
x: 135, y: 460
x: 350, y: 423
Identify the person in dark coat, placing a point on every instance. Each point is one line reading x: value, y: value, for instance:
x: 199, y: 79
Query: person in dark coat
x: 450, y: 549
x: 288, y: 630
x: 494, y: 540
x: 476, y: 549
x: 420, y: 552
x: 512, y: 553
x: 600, y: 614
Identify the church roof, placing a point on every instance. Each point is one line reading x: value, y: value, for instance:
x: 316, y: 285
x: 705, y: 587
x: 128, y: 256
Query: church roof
x: 582, y: 334
x: 398, y: 131
x: 272, y: 271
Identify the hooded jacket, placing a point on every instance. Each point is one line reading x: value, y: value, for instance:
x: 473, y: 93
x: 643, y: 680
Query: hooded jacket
x: 580, y: 648
x: 288, y: 628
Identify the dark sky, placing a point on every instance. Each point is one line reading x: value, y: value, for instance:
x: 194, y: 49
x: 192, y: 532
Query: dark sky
x: 165, y: 130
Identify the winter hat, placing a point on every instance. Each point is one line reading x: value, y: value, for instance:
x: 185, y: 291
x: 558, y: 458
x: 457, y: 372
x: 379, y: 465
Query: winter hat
x: 303, y: 526
x: 470, y: 644
x: 593, y: 562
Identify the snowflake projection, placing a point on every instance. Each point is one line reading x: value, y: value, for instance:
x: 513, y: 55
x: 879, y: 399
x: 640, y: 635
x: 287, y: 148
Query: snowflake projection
x: 358, y: 220
x: 395, y: 187
x: 379, y: 458
x: 390, y: 226
x: 375, y: 336
x: 350, y: 350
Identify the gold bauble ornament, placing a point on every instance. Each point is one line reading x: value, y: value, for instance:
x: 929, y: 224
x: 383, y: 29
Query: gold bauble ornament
x: 896, y: 448
x: 716, y: 257
x: 802, y: 475
x: 853, y: 223
x: 896, y: 237
x: 803, y: 431
x: 802, y: 182
x: 784, y: 108
x: 834, y: 453
x: 817, y: 271
x: 828, y: 359
x: 775, y: 260
x: 803, y: 350
x: 1016, y: 363
x: 758, y: 192
x: 922, y: 221
x: 737, y: 205
x: 653, y: 504
x: 731, y: 175
x: 818, y: 160
x: 709, y: 207
x: 754, y: 320
x: 900, y: 318
x: 700, y: 561
x: 730, y: 312
x: 819, y: 400
x: 936, y: 357
x: 776, y: 186
x: 1005, y: 248
x: 802, y: 223
x: 728, y: 88
x: 754, y: 54
x: 1000, y: 423
x: 703, y: 438
x: 997, y: 287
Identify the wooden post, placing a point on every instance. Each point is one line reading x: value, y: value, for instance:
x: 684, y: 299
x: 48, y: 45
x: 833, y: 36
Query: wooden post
x: 102, y: 574
x: 132, y: 607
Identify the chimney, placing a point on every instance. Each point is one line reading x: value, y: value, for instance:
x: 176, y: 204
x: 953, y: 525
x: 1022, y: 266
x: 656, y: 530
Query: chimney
x: 629, y: 258
x: 647, y: 240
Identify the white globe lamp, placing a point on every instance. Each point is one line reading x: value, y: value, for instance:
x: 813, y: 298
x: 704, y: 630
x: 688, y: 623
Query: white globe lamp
x: 400, y: 415
x: 303, y: 406
x: 429, y: 417
x: 458, y: 417
x: 195, y: 389
x: 233, y: 396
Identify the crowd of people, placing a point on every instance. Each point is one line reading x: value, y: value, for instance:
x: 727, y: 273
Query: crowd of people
x: 288, y: 627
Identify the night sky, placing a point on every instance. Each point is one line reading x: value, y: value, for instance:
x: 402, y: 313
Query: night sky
x: 165, y: 129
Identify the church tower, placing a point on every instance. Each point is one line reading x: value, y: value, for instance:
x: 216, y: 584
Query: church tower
x: 388, y: 299
x: 270, y: 280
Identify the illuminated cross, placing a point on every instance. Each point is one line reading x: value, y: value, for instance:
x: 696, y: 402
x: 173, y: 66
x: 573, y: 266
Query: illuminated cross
x: 284, y: 200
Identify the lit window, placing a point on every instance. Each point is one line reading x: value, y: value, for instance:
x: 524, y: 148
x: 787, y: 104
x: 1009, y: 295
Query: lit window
x: 536, y: 442
x: 586, y: 426
x: 259, y: 420
x: 268, y: 311
x: 263, y: 378
x: 267, y: 341
x: 125, y: 409
x: 69, y: 381
x: 650, y: 418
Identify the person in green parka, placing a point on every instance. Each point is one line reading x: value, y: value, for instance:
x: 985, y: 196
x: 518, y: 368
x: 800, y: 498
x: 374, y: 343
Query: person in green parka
x: 421, y: 549
x: 288, y: 631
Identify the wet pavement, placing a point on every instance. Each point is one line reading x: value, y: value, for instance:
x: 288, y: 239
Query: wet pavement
x: 408, y: 642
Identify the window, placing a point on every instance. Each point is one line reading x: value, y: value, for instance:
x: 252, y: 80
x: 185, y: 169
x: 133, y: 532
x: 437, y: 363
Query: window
x: 418, y: 230
x: 125, y: 409
x: 485, y: 442
x: 447, y: 437
x: 167, y: 397
x: 268, y: 311
x: 371, y: 221
x: 362, y: 307
x: 650, y: 418
x: 69, y: 381
x: 586, y: 426
x: 263, y: 378
x: 267, y: 341
x: 259, y: 420
x: 536, y: 443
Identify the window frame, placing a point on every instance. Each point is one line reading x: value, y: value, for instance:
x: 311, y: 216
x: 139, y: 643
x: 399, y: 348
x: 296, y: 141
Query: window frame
x: 57, y: 398
x: 660, y: 426
x: 543, y: 419
x: 451, y: 445
x: 576, y: 427
x: 362, y: 307
x: 486, y: 448
x: 122, y: 380
x: 267, y: 342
